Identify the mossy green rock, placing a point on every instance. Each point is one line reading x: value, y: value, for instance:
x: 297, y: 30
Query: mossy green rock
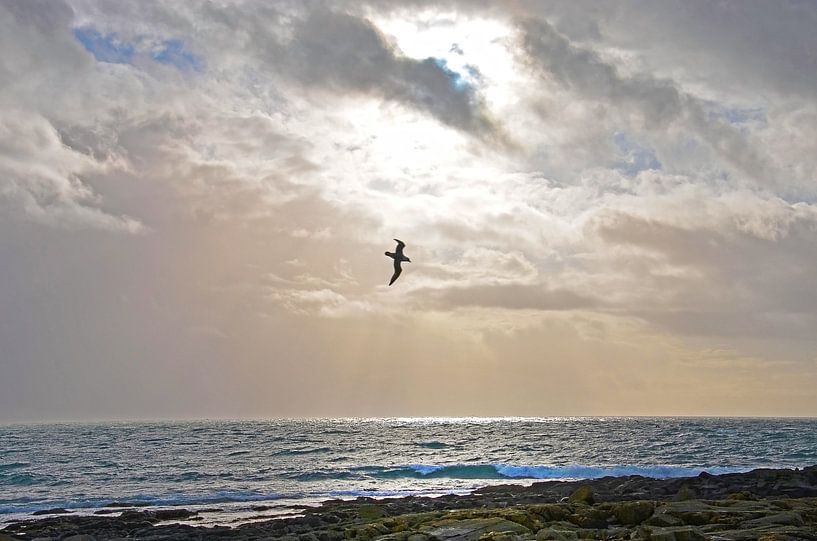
x: 556, y: 534
x: 582, y: 495
x: 589, y: 517
x: 370, y: 512
x: 550, y: 512
x: 684, y: 533
x: 633, y: 512
x: 366, y: 531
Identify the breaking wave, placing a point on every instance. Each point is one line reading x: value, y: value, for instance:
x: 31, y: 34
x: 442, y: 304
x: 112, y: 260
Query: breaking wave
x: 505, y: 471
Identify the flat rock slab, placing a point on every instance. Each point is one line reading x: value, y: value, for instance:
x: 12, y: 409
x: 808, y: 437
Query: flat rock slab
x: 472, y: 529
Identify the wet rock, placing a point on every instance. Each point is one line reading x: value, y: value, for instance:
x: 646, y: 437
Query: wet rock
x: 107, y: 511
x: 172, y: 514
x: 55, y: 511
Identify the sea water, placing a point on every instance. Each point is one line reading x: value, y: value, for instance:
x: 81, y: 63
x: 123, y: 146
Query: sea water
x: 233, y: 469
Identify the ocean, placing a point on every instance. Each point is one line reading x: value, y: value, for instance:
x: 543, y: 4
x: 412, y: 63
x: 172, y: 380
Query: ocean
x: 235, y: 471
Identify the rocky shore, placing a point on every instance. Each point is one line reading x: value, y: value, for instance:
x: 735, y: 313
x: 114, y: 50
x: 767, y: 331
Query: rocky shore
x: 769, y: 505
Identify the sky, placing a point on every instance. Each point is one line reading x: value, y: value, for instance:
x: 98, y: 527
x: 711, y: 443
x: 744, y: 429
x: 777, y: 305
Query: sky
x: 610, y: 208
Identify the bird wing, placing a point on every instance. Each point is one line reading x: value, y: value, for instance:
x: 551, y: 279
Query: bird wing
x: 399, y: 248
x: 397, y: 270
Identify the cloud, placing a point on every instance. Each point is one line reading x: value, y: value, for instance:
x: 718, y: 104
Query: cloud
x: 650, y: 228
x: 657, y: 103
x: 42, y: 177
x: 510, y: 296
x: 336, y: 50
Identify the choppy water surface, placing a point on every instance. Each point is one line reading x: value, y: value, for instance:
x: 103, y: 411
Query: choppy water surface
x: 234, y: 465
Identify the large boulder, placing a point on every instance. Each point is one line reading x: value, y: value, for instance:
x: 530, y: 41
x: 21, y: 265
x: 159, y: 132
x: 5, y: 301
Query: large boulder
x: 632, y: 513
x: 582, y: 495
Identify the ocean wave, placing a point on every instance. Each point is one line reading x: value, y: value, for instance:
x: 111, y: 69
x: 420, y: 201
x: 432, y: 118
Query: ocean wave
x: 13, y: 466
x: 433, y: 444
x: 144, y: 501
x: 19, y: 479
x: 506, y: 471
x: 308, y: 451
x: 321, y: 475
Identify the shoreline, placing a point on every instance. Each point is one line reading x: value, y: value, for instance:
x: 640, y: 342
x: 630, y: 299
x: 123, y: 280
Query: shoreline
x: 762, y: 502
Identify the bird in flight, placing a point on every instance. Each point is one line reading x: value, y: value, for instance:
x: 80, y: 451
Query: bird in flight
x: 398, y: 259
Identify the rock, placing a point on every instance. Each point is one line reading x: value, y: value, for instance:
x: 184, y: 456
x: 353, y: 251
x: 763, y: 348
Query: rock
x: 589, y: 517
x: 132, y: 514
x: 55, y: 511
x: 550, y: 512
x: 582, y: 495
x: 789, y: 518
x: 472, y: 529
x: 743, y: 495
x: 107, y: 511
x: 370, y: 512
x: 172, y: 514
x: 632, y: 513
x: 685, y: 493
x: 367, y: 531
x: 686, y: 533
x: 329, y: 535
x: 556, y: 534
x: 500, y: 536
x: 662, y: 518
x: 737, y: 507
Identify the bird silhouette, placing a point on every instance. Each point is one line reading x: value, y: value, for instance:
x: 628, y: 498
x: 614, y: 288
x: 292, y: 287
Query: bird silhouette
x: 398, y: 259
